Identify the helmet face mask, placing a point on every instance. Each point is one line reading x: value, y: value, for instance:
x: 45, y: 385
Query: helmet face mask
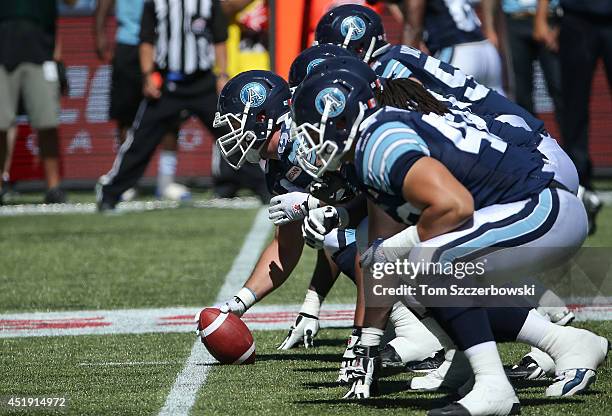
x: 251, y: 107
x: 238, y: 145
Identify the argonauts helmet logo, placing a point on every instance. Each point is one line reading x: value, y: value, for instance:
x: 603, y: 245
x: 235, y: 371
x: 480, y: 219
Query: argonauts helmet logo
x: 332, y: 97
x: 312, y: 64
x: 253, y: 93
x: 355, y: 23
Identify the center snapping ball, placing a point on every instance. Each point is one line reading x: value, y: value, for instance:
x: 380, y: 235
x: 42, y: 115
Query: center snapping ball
x: 226, y: 337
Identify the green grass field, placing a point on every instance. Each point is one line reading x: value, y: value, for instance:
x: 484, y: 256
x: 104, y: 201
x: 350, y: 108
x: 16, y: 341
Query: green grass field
x: 180, y: 258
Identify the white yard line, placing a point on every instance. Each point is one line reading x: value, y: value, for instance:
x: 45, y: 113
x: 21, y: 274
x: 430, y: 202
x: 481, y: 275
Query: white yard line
x: 132, y: 206
x: 189, y: 381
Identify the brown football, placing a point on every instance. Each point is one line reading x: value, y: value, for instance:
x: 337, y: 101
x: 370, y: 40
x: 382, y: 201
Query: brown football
x: 226, y: 337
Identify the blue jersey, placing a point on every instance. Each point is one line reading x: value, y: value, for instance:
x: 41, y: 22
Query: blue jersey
x: 449, y: 23
x: 128, y: 13
x: 402, y: 61
x: 493, y: 171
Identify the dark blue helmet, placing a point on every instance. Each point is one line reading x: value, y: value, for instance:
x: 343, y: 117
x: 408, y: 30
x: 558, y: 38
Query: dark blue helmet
x: 356, y: 28
x: 251, y: 105
x: 349, y: 64
x: 311, y: 57
x: 327, y: 110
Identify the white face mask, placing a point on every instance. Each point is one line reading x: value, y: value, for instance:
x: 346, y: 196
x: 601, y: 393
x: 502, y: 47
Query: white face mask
x: 316, y: 155
x: 237, y: 146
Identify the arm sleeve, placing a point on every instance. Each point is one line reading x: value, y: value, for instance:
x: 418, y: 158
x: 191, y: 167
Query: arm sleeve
x: 219, y: 23
x: 148, y: 23
x: 391, y: 151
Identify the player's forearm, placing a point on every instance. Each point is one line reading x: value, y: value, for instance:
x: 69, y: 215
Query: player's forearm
x: 103, y: 8
x: 277, y: 261
x: 221, y: 58
x: 414, y: 16
x: 541, y: 16
x: 324, y: 275
x: 147, y: 57
x: 488, y: 14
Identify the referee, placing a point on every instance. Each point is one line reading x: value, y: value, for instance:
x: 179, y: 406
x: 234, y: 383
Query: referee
x: 180, y: 41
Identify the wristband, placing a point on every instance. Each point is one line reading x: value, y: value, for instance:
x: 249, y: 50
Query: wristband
x: 246, y: 296
x: 343, y: 217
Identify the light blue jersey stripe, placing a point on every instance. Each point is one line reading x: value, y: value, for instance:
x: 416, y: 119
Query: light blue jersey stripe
x: 497, y: 235
x: 386, y: 144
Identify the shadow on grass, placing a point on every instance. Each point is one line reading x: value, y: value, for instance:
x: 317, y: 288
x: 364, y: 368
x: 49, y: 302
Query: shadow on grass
x: 329, y: 358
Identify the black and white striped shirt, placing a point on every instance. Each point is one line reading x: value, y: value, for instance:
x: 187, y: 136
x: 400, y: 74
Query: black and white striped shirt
x: 184, y: 33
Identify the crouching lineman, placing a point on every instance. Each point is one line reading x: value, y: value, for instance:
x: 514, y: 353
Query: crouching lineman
x: 461, y: 187
x: 255, y: 107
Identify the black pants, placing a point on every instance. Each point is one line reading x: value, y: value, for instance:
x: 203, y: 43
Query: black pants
x: 153, y: 120
x: 582, y: 41
x: 525, y: 50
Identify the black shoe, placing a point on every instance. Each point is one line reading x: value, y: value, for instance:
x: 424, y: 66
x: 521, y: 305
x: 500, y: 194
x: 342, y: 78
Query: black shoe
x: 389, y: 358
x: 106, y: 207
x: 592, y: 205
x: 526, y: 369
x: 55, y: 196
x: 455, y: 409
x: 428, y: 364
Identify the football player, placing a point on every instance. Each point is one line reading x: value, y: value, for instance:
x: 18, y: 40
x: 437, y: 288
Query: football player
x: 455, y: 186
x: 254, y: 106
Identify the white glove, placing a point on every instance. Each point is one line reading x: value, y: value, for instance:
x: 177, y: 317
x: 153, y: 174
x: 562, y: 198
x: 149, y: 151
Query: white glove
x: 348, y: 356
x: 290, y: 207
x: 234, y: 305
x: 319, y: 222
x: 374, y: 254
x: 363, y: 372
x: 305, y: 329
x: 395, y: 247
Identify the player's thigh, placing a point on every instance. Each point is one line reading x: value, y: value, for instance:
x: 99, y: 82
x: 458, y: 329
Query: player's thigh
x: 41, y: 94
x: 523, y: 238
x: 10, y: 86
x: 481, y: 60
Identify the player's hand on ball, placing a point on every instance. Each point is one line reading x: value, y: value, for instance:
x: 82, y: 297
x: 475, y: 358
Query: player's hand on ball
x: 317, y: 224
x: 348, y: 356
x: 304, y: 330
x: 363, y: 373
x: 233, y: 305
x: 289, y: 207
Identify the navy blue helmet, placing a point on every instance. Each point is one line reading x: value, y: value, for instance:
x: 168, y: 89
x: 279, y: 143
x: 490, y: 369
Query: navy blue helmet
x: 356, y: 28
x: 252, y: 106
x: 349, y: 64
x: 327, y: 109
x: 311, y: 57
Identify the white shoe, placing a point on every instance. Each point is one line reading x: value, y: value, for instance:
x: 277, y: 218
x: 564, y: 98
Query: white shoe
x: 577, y: 354
x: 558, y: 315
x: 451, y: 374
x: 571, y: 382
x: 491, y: 395
x: 175, y: 192
x: 129, y: 195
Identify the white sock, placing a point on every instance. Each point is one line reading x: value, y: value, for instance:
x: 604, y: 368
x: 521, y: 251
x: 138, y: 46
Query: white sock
x: 534, y: 329
x: 484, y: 360
x: 166, y: 169
x: 370, y: 337
x: 312, y: 303
x: 413, y: 340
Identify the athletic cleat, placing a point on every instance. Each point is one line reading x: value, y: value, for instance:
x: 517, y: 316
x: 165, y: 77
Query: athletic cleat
x: 492, y: 395
x: 427, y: 365
x: 55, y: 196
x: 562, y: 318
x: 174, y: 192
x: 449, y: 376
x: 456, y: 409
x: 390, y: 358
x: 526, y: 369
x: 571, y: 382
x: 592, y: 205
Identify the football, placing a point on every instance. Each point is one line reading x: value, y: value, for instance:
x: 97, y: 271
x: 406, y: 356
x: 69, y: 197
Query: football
x: 226, y: 337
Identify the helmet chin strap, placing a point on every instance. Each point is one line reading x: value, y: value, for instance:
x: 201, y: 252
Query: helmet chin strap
x: 370, y: 50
